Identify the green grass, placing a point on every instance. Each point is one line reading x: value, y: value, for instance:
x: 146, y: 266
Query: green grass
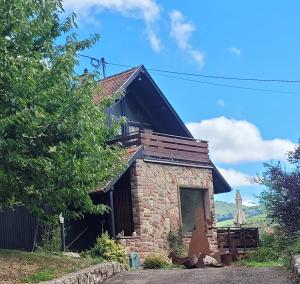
x: 226, y: 223
x: 37, y: 277
x: 252, y: 263
x: 259, y: 221
x: 34, y: 267
x: 174, y: 266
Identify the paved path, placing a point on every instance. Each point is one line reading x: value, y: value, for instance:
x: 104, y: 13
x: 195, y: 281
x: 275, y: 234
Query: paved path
x: 228, y: 275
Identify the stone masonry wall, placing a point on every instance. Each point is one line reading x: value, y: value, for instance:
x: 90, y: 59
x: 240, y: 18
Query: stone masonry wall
x: 156, y: 205
x: 91, y: 275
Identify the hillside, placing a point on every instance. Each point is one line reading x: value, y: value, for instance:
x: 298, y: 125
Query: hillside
x: 226, y: 210
x: 255, y: 216
x: 255, y: 221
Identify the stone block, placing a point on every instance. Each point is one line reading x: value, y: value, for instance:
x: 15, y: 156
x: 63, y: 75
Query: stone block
x: 93, y: 275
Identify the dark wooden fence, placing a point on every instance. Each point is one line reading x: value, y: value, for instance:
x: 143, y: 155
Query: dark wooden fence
x: 239, y: 238
x: 18, y: 229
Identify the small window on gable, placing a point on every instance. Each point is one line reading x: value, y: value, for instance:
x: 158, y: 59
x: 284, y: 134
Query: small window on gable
x: 190, y: 200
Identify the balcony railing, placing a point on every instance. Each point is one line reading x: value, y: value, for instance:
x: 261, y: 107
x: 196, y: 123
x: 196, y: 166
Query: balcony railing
x: 232, y: 238
x: 164, y: 146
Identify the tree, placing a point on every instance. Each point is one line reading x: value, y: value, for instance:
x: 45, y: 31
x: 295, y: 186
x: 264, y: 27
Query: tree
x: 52, y: 134
x: 281, y: 196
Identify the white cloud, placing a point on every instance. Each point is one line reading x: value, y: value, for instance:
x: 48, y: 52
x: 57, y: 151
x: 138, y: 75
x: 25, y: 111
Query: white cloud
x: 235, y: 178
x: 221, y: 103
x: 154, y: 41
x: 234, y: 50
x: 181, y: 32
x: 198, y: 56
x: 235, y: 141
x: 250, y: 203
x: 146, y: 10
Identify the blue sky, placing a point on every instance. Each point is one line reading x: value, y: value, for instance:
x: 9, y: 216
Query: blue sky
x: 232, y: 38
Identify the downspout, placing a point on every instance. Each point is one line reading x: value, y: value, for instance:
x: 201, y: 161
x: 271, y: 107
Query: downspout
x: 112, y: 213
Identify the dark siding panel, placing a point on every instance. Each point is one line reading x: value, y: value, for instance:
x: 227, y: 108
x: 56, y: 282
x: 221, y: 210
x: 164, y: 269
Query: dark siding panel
x: 82, y: 233
x: 17, y: 229
x: 123, y: 205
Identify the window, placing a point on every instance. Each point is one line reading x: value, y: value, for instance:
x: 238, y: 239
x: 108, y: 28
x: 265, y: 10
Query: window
x: 133, y: 128
x: 190, y: 199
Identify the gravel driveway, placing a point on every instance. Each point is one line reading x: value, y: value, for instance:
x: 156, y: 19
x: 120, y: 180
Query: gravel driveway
x: 227, y: 275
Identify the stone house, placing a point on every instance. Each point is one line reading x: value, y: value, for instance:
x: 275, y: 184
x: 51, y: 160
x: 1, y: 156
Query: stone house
x: 168, y: 174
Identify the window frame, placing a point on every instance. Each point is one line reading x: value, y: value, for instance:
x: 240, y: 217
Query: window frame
x: 204, y: 198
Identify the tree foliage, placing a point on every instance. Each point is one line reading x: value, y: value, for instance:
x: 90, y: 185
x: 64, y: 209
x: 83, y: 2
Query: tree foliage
x: 281, y: 197
x: 52, y: 134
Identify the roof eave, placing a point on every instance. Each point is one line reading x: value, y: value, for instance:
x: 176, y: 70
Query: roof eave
x: 138, y: 154
x: 217, y: 175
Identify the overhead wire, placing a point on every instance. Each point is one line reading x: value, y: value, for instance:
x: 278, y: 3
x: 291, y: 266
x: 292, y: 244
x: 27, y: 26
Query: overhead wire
x: 195, y: 74
x: 210, y: 76
x: 165, y: 73
x: 230, y: 86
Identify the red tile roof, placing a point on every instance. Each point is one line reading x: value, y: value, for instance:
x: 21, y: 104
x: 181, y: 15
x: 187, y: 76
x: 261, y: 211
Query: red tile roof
x: 112, y: 84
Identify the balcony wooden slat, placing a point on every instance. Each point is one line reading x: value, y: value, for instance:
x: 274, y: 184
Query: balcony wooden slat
x: 164, y: 146
x: 163, y: 153
x: 174, y: 146
x: 175, y: 153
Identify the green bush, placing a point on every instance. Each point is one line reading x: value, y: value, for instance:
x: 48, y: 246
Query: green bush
x: 263, y: 254
x: 268, y: 250
x: 290, y: 250
x: 108, y: 249
x: 155, y: 261
x: 277, y: 246
x: 176, y: 243
x: 51, y: 239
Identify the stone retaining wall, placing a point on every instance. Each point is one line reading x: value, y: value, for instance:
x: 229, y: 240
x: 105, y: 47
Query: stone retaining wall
x: 91, y: 275
x: 296, y: 264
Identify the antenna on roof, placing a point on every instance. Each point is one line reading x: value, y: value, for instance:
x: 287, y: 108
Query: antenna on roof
x: 103, y: 63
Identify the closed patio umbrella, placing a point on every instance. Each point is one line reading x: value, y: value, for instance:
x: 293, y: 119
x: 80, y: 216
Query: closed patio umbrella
x: 239, y: 218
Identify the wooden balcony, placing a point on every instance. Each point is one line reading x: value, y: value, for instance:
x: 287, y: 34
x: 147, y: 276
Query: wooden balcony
x: 166, y: 147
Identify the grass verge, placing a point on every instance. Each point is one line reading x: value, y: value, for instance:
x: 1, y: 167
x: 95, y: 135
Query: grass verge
x: 35, y: 267
x: 252, y: 263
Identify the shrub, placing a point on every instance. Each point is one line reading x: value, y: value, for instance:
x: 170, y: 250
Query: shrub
x: 51, y: 240
x: 292, y: 249
x: 176, y: 243
x: 269, y: 249
x: 156, y: 261
x: 277, y: 246
x: 110, y: 250
x: 263, y: 254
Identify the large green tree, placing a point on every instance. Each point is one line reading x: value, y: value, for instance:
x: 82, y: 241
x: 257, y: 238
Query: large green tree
x: 52, y: 134
x: 281, y: 196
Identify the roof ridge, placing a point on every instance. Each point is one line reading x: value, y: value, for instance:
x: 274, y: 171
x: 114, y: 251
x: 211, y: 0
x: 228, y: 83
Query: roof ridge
x: 119, y: 74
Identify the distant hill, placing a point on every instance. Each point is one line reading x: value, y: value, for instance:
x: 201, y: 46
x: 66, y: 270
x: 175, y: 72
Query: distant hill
x: 259, y: 221
x: 255, y: 217
x: 226, y: 211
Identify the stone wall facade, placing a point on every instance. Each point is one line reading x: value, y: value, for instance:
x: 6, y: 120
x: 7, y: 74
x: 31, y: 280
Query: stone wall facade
x: 156, y: 204
x: 92, y: 275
